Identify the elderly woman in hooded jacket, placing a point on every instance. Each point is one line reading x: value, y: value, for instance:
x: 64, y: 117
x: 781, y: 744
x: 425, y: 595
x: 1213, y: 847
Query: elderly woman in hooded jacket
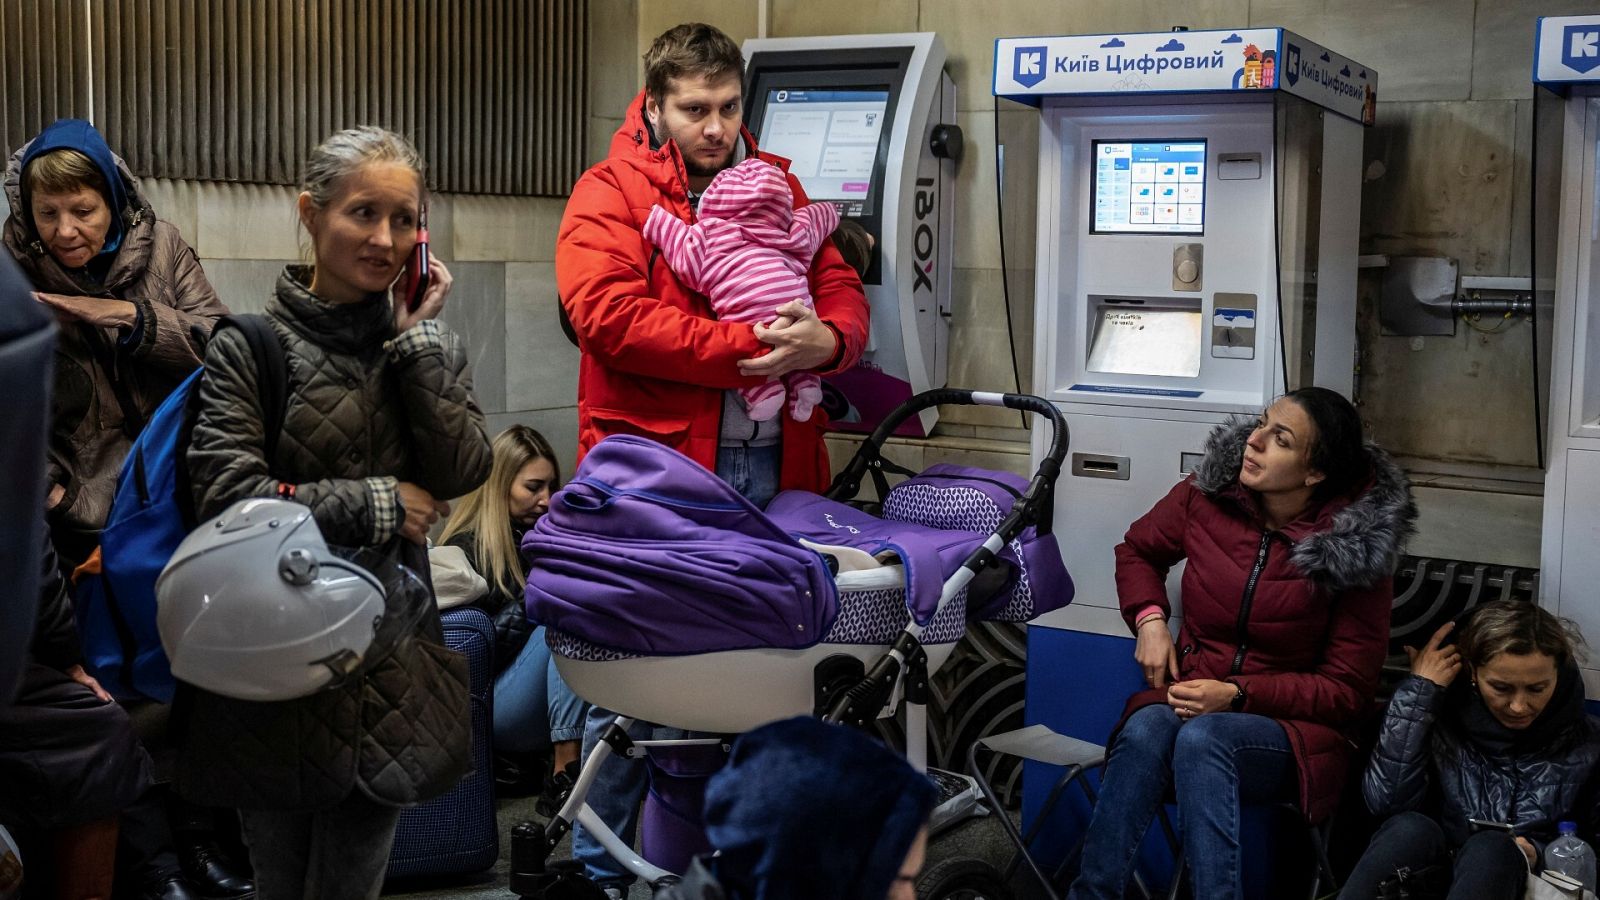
x: 134, y: 306
x: 1290, y: 528
x: 1509, y: 746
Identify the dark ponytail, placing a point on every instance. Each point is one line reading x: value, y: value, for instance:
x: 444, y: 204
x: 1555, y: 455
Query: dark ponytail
x: 1339, y: 451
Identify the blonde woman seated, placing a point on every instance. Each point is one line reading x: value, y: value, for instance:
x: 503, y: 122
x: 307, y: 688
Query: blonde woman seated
x: 534, y: 710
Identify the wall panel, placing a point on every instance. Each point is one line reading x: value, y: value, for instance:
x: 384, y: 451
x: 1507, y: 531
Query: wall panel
x: 493, y: 92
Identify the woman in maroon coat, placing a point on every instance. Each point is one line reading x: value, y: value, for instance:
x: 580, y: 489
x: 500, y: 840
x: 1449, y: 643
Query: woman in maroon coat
x: 1290, y: 527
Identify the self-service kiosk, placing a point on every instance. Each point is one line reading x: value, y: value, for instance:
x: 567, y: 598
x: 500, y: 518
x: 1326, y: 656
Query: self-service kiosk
x: 1567, y: 253
x: 868, y: 122
x: 1199, y: 204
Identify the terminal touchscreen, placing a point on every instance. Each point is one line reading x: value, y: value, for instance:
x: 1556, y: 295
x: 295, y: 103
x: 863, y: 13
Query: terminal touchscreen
x: 1149, y: 187
x: 831, y: 138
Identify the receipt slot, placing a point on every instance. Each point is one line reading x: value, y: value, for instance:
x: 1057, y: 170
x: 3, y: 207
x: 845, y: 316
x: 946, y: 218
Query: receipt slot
x: 1198, y: 218
x: 1567, y: 275
x: 868, y: 124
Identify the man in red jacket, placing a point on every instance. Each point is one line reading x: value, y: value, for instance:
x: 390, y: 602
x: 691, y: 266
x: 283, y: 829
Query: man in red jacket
x: 656, y: 362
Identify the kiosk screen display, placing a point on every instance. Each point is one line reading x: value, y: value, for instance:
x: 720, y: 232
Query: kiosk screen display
x: 831, y: 138
x: 1147, y: 342
x: 1149, y: 187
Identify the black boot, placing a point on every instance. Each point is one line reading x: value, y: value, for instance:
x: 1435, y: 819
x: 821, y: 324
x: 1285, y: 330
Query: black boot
x: 519, y: 774
x: 557, y: 788
x: 212, y: 873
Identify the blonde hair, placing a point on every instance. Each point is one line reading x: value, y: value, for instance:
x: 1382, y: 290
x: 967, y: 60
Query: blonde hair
x: 486, y: 512
x: 1518, y: 627
x: 352, y: 149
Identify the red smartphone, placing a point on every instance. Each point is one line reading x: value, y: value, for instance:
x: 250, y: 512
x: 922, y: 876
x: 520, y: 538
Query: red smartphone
x: 417, y: 276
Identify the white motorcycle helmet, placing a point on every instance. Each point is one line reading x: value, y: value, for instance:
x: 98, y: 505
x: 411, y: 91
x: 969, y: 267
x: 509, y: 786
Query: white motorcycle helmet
x: 255, y: 605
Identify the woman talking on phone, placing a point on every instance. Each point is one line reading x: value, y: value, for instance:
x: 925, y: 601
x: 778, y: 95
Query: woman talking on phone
x: 1484, y: 749
x: 379, y: 427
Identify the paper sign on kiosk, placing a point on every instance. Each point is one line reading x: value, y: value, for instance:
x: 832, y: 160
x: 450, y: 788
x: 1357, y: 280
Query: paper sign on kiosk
x: 1142, y: 341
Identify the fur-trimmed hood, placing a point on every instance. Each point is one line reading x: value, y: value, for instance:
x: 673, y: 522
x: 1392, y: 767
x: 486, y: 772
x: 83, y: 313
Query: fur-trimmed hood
x: 1347, y: 542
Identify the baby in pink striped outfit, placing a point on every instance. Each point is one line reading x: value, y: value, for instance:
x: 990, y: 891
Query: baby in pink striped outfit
x: 749, y: 253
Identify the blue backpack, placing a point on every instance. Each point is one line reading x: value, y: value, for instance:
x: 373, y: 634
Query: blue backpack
x: 152, y: 512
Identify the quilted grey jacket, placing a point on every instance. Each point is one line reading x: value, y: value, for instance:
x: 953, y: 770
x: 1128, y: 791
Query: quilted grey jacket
x: 1422, y: 757
x: 366, y: 410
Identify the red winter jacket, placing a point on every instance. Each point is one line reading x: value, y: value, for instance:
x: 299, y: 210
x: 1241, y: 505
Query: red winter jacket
x: 1307, y: 641
x: 655, y: 361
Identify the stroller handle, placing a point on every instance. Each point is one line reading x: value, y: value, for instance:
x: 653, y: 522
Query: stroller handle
x: 1034, y: 507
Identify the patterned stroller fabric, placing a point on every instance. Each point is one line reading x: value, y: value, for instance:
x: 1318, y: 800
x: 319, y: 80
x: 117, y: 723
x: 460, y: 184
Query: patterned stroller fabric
x: 962, y: 497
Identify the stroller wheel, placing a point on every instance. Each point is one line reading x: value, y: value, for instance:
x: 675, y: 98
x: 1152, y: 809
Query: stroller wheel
x: 962, y: 879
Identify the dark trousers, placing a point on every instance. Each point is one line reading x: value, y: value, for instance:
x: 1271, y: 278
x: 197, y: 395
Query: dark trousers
x: 338, y: 852
x: 1489, y: 866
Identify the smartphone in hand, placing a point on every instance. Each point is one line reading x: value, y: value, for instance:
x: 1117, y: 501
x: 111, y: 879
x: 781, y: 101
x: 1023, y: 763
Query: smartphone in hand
x: 417, y: 276
x: 1482, y: 824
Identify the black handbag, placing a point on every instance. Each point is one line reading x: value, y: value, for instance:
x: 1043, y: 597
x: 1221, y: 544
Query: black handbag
x: 1430, y: 882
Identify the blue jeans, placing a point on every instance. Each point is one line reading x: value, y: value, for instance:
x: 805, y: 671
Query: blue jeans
x: 533, y: 707
x: 619, y: 788
x: 752, y: 471
x: 1214, y: 749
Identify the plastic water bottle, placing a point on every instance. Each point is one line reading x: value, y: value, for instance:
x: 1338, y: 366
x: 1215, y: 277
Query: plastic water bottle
x: 1569, y: 855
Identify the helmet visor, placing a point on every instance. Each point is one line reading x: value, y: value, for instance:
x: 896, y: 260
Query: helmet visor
x: 406, y: 599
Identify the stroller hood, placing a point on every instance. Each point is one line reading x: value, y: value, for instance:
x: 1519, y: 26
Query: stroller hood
x: 645, y: 551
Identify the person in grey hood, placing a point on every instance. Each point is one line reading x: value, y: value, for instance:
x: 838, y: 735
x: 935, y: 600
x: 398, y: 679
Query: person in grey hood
x: 1490, y: 728
x: 133, y: 304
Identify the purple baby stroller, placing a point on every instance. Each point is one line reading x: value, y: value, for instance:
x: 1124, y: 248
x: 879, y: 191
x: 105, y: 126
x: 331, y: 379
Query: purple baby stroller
x: 669, y: 598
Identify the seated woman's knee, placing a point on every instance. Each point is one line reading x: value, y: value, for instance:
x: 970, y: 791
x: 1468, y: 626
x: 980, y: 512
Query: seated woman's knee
x: 1412, y: 827
x: 1200, y: 735
x: 1493, y: 843
x: 1153, y: 723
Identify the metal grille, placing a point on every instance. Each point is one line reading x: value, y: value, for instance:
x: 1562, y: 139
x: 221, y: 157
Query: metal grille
x: 491, y: 91
x: 43, y: 70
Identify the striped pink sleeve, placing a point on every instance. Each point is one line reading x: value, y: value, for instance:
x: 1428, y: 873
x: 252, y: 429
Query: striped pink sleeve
x: 682, y: 244
x: 812, y: 225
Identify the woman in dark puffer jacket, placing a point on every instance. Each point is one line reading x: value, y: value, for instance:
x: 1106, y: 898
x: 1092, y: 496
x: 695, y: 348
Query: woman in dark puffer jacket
x: 1290, y: 528
x: 1509, y: 743
x: 379, y: 426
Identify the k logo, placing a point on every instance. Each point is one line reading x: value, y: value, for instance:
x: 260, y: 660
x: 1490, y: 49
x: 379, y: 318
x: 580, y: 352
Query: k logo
x: 1580, y: 47
x: 1030, y: 63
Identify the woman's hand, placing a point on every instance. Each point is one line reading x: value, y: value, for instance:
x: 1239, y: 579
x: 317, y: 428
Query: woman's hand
x: 799, y: 345
x: 76, y: 673
x: 1439, y: 665
x: 1200, y: 696
x: 100, y: 311
x: 1528, y: 850
x: 439, y: 281
x: 421, y: 512
x: 1155, y: 652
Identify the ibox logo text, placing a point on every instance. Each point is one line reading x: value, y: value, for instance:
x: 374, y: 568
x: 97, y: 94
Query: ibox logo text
x: 1580, y: 47
x: 1029, y: 68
